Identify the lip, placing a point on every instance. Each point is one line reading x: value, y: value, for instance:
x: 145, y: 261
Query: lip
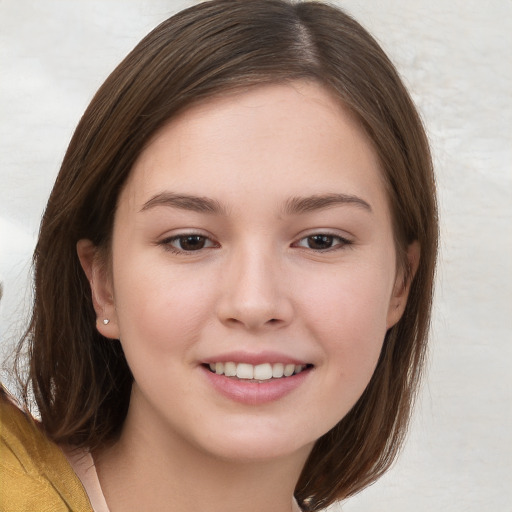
x: 254, y: 358
x: 255, y: 393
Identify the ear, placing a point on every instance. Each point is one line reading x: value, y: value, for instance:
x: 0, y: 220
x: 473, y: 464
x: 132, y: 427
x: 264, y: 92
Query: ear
x: 402, y: 285
x: 100, y: 280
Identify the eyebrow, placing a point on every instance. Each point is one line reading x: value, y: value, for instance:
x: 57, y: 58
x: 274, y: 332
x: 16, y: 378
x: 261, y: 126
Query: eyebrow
x: 185, y: 202
x: 293, y: 206
x: 298, y: 205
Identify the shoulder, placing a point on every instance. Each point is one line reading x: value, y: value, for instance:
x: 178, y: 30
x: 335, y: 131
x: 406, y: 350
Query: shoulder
x: 34, y: 472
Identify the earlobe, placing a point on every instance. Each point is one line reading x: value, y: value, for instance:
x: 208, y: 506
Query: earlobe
x: 95, y: 269
x: 402, y: 285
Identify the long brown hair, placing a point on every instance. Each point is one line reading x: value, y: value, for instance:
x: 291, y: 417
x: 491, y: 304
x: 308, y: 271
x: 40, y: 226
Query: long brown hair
x: 80, y: 380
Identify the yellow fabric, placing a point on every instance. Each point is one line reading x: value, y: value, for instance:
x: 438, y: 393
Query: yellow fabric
x: 35, y: 475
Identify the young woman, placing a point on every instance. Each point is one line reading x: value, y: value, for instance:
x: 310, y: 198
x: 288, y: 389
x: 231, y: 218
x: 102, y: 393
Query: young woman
x: 234, y: 274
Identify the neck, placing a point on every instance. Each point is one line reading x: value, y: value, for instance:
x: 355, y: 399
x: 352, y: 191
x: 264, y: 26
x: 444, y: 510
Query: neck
x: 140, y: 472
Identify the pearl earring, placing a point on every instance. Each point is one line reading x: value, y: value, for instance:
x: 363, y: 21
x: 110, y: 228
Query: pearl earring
x: 106, y: 321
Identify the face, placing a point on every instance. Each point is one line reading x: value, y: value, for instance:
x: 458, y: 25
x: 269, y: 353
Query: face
x: 252, y: 241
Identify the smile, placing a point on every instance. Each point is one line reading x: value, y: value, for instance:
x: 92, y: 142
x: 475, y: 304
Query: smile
x: 259, y: 372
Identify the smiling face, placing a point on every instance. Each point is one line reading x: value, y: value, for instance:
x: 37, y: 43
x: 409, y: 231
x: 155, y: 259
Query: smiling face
x: 252, y: 239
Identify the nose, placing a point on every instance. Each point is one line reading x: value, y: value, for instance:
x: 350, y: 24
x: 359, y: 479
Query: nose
x: 254, y: 293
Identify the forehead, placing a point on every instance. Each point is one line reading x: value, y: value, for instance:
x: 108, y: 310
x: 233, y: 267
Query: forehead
x: 269, y: 139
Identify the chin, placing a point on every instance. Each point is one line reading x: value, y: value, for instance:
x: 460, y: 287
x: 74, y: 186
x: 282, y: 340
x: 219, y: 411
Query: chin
x: 259, y: 450
x: 258, y: 442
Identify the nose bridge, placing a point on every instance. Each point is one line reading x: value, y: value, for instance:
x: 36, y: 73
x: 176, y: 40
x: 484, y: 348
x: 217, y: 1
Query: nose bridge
x: 253, y: 294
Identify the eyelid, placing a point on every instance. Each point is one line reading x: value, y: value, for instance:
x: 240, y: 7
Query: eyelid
x: 344, y: 239
x: 166, y: 242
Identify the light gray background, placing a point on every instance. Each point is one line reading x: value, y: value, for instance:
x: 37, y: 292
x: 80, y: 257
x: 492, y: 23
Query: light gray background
x: 455, y: 57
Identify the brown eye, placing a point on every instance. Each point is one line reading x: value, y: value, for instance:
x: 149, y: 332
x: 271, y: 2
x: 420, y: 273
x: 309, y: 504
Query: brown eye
x: 182, y: 244
x: 190, y: 242
x: 320, y: 241
x: 323, y: 242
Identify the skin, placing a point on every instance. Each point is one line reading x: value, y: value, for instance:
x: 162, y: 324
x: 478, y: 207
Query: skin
x: 258, y: 284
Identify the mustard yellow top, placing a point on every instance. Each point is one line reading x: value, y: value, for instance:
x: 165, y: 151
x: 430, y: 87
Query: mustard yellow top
x: 35, y: 475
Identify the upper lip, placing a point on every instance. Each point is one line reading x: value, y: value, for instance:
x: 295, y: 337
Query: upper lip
x: 254, y: 358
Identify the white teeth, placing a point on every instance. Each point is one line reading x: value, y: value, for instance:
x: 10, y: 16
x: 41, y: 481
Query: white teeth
x: 277, y: 370
x: 229, y: 369
x: 289, y: 369
x: 244, y: 371
x: 265, y: 371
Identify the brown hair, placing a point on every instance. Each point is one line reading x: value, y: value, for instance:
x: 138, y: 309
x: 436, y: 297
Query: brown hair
x: 80, y: 380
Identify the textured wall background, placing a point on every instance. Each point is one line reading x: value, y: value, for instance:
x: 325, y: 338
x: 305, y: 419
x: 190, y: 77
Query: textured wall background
x: 455, y: 57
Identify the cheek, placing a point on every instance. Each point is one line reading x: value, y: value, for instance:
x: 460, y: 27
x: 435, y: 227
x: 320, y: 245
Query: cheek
x: 158, y: 309
x: 346, y: 313
x: 355, y: 301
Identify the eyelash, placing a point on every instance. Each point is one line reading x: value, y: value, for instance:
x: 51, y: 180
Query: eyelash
x: 167, y: 242
x: 343, y: 242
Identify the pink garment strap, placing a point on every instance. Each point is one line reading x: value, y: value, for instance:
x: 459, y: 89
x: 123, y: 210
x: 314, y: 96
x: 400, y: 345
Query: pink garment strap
x: 83, y: 465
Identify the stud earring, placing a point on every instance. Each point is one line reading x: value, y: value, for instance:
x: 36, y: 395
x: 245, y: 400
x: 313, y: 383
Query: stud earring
x: 106, y: 321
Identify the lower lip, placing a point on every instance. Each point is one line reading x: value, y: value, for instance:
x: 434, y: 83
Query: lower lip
x: 255, y: 393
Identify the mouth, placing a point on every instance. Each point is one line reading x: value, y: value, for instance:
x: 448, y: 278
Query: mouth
x: 257, y: 373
